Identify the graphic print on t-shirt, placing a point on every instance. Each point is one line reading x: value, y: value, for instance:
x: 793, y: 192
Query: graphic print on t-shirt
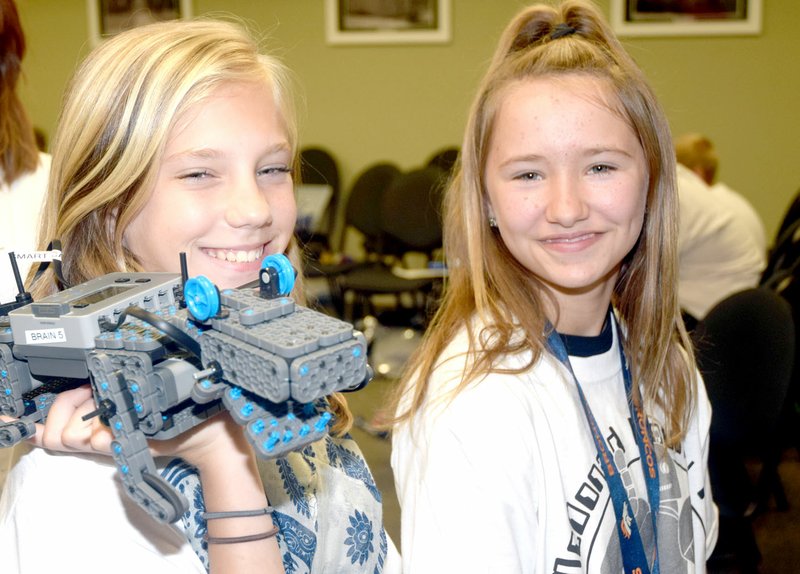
x: 594, y: 543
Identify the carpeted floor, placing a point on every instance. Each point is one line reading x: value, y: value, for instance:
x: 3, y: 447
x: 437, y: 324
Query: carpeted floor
x: 778, y: 533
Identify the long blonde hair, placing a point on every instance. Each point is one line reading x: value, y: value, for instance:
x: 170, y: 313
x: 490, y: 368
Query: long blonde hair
x: 488, y: 282
x: 117, y: 114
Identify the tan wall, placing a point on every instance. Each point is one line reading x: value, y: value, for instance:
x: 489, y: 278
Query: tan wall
x: 402, y: 103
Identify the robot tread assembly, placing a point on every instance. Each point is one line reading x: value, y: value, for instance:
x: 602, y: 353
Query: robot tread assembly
x: 163, y: 354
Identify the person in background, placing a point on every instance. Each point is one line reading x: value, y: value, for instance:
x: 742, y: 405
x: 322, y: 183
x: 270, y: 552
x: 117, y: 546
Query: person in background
x: 23, y: 168
x: 697, y: 152
x: 181, y: 137
x: 722, y: 243
x: 553, y: 418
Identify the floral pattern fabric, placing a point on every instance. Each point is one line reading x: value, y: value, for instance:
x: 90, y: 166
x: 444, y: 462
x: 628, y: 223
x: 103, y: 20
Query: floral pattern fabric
x: 327, y: 507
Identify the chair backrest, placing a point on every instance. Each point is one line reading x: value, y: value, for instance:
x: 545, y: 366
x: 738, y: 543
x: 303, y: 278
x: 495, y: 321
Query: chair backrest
x: 318, y: 166
x: 745, y: 351
x: 363, y: 210
x: 444, y: 159
x: 411, y: 210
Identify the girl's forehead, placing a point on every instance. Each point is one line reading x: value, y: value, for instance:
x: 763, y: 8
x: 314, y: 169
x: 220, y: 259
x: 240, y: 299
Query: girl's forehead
x: 256, y: 94
x: 594, y: 89
x: 560, y: 91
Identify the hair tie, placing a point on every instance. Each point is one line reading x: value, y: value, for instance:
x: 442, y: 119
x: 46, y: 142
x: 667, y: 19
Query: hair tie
x: 562, y: 30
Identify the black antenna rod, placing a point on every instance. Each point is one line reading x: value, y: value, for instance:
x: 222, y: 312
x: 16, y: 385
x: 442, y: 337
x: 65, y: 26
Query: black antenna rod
x: 15, y: 269
x: 184, y: 277
x: 23, y: 297
x: 184, y: 269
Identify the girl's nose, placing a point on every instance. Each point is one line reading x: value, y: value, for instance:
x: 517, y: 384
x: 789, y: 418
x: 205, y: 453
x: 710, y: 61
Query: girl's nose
x: 566, y: 204
x: 248, y: 206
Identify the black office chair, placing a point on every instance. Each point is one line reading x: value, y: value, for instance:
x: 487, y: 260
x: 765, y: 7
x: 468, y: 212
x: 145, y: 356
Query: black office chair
x: 363, y: 211
x: 410, y: 222
x: 362, y: 215
x: 745, y: 352
x: 318, y: 166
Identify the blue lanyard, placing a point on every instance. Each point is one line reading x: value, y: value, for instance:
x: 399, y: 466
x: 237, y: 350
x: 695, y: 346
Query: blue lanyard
x: 634, y: 557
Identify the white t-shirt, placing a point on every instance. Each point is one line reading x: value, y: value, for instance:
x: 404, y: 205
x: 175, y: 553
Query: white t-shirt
x: 718, y: 255
x: 506, y: 479
x: 54, y: 503
x: 21, y: 205
x: 64, y: 512
x: 744, y: 210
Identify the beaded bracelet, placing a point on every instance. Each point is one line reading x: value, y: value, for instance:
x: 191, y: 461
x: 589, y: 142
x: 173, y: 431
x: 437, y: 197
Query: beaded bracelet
x: 237, y: 539
x: 238, y: 513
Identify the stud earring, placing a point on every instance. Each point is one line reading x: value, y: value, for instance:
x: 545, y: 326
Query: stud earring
x: 492, y: 222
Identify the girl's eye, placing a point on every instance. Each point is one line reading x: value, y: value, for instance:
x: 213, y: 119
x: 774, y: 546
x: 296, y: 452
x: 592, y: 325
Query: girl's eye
x: 196, y: 175
x: 275, y: 170
x: 529, y: 176
x: 601, y: 169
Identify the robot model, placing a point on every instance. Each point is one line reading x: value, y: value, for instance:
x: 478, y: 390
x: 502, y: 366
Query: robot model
x: 163, y: 353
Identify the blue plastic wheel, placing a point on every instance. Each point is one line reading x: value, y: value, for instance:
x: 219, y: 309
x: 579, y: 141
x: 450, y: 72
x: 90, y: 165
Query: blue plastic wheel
x: 283, y: 266
x: 202, y: 298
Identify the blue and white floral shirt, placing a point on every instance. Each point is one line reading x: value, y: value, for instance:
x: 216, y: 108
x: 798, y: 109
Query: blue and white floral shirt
x: 326, y: 503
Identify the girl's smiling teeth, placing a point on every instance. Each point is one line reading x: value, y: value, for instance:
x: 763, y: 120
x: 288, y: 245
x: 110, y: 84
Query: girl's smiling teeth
x: 573, y: 239
x: 235, y: 255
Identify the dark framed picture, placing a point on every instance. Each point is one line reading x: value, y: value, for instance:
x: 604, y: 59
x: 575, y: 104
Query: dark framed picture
x: 387, y: 21
x: 686, y: 17
x: 109, y: 17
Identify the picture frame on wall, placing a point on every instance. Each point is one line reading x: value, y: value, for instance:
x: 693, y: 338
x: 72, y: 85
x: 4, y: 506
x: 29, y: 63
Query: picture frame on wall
x: 387, y: 21
x: 686, y: 17
x: 110, y: 17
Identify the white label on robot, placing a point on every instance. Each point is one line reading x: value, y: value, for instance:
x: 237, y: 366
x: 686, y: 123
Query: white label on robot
x: 52, y: 255
x: 45, y: 336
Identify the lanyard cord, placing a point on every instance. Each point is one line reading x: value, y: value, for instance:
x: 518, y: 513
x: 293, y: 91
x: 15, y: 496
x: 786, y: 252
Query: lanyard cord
x: 634, y: 556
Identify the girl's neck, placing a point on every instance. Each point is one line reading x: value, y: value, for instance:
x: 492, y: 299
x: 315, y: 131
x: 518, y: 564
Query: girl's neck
x: 582, y: 314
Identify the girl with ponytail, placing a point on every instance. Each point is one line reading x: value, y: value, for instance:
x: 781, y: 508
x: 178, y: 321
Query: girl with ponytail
x: 553, y: 420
